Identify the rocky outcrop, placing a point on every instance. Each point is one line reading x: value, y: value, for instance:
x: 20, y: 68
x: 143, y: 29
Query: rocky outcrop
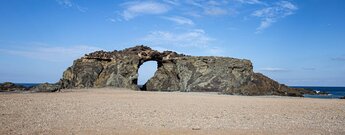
x: 8, y: 86
x: 45, y: 87
x: 176, y: 72
x: 111, y: 69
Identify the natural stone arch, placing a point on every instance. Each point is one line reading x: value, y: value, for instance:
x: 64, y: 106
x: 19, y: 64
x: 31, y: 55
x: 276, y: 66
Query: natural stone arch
x: 176, y: 72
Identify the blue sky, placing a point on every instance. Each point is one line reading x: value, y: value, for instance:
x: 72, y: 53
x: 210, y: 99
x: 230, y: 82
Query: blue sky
x: 293, y: 42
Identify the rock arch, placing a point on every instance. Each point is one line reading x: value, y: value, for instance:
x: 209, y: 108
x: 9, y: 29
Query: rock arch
x: 176, y: 72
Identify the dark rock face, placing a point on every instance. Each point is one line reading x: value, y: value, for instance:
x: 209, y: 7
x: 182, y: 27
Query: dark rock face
x: 45, y: 87
x: 8, y: 86
x: 176, y: 72
x: 111, y: 69
x: 217, y: 74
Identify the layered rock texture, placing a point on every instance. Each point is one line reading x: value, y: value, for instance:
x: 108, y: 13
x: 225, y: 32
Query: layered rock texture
x: 176, y: 72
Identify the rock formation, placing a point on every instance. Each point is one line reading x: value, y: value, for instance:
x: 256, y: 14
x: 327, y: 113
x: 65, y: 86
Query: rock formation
x: 45, y: 87
x: 176, y: 72
x: 8, y: 86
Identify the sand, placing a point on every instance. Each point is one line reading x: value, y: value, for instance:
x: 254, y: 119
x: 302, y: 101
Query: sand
x: 121, y: 111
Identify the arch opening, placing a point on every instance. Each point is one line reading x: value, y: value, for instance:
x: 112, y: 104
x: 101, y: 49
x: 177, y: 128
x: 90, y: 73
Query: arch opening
x: 146, y: 71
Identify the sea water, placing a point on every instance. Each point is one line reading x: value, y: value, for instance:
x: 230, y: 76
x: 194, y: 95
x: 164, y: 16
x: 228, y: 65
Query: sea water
x: 28, y: 85
x: 334, y: 92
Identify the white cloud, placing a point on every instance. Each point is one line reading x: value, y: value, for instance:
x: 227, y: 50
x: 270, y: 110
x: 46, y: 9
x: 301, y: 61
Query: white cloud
x: 287, y: 5
x: 70, y: 4
x: 173, y: 2
x: 211, y: 7
x: 194, y: 3
x: 193, y: 38
x: 180, y: 20
x: 267, y: 12
x: 249, y: 1
x: 270, y: 69
x: 265, y: 23
x: 340, y: 58
x: 161, y: 49
x: 81, y: 9
x: 134, y: 9
x: 65, y: 3
x: 271, y: 14
x: 193, y: 14
x: 192, y: 42
x: 53, y: 54
x: 216, y: 51
x: 112, y: 20
x: 215, y: 11
x: 214, y: 3
x: 309, y: 68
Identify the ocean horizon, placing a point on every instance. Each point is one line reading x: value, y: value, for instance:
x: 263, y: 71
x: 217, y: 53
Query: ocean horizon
x: 333, y: 91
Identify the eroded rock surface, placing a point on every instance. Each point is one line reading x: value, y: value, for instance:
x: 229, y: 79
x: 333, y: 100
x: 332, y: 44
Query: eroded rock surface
x: 176, y: 72
x: 112, y: 69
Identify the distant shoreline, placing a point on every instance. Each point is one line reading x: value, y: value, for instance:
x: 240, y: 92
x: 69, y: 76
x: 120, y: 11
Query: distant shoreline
x: 335, y: 92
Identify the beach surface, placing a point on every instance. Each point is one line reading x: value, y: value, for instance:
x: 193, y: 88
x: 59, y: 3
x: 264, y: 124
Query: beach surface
x: 122, y: 111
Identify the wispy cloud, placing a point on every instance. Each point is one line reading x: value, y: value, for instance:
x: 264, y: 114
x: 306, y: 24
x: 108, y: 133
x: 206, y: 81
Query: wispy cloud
x: 173, y: 2
x: 180, y: 20
x: 112, y: 20
x: 249, y: 1
x: 70, y: 4
x: 193, y: 38
x: 194, y: 3
x: 54, y: 54
x: 161, y: 49
x: 309, y: 68
x: 211, y: 7
x: 216, y: 51
x: 65, y: 3
x: 134, y: 9
x: 215, y: 11
x: 340, y: 58
x: 191, y: 42
x: 272, y: 69
x: 271, y: 14
x: 267, y: 11
x: 81, y: 9
x: 265, y: 23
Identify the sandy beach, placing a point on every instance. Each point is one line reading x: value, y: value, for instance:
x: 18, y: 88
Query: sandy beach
x: 121, y: 111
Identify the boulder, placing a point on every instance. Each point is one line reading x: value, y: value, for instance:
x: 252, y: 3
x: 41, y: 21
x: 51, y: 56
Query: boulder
x: 176, y: 72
